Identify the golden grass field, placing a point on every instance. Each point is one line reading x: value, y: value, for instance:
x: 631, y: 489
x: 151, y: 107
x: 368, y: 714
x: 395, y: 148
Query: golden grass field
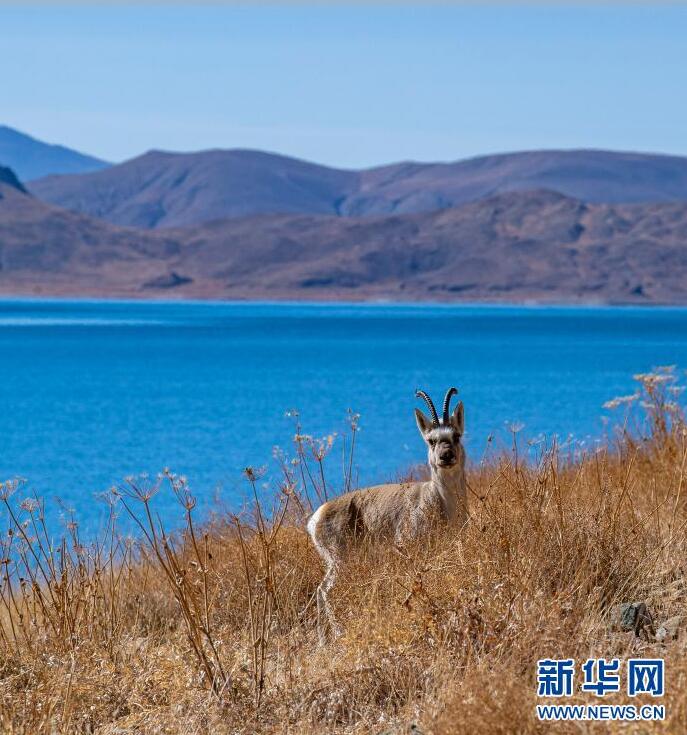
x: 213, y: 630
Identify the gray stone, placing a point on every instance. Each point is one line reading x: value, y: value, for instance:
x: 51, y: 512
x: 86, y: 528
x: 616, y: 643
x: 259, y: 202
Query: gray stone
x: 632, y: 616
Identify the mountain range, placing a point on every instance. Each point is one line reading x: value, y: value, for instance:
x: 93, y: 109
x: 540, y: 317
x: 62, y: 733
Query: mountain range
x: 550, y: 226
x: 161, y: 189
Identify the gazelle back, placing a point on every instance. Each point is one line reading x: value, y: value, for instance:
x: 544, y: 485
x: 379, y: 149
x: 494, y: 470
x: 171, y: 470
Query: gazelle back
x: 399, y: 511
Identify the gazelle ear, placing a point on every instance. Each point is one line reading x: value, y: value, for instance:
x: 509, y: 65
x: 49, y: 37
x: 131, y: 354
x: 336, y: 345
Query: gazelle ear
x: 423, y: 423
x: 458, y: 418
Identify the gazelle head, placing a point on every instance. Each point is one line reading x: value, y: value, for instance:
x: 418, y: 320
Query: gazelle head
x: 444, y: 448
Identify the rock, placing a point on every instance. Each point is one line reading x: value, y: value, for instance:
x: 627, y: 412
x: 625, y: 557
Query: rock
x: 632, y: 616
x: 169, y: 280
x: 670, y: 629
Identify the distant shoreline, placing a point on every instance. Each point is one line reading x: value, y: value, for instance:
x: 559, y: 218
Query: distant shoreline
x: 19, y: 298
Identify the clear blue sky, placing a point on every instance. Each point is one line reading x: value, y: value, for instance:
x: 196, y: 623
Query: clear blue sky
x: 349, y: 85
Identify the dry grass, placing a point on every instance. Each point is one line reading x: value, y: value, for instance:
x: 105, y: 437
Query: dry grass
x: 212, y: 631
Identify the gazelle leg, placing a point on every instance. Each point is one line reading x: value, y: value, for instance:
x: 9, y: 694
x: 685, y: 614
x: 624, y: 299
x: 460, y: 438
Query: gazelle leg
x: 328, y: 583
x: 320, y: 615
x: 323, y: 606
x: 329, y: 558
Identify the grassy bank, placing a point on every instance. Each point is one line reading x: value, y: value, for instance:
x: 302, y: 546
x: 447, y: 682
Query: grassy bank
x: 213, y: 630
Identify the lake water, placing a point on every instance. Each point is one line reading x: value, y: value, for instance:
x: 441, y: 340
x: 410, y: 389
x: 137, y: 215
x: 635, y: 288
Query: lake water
x: 93, y: 391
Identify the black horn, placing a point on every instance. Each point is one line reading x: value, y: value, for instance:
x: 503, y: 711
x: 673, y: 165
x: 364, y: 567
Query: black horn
x: 447, y: 405
x: 421, y: 394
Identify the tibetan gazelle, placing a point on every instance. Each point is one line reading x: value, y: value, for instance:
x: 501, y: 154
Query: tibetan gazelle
x: 399, y: 511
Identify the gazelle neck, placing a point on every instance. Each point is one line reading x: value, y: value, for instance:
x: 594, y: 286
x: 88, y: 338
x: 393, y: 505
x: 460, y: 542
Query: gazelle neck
x: 449, y: 484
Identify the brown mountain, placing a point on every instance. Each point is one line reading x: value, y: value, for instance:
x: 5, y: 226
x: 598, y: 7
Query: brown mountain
x: 515, y: 246
x: 181, y: 189
x: 47, y: 249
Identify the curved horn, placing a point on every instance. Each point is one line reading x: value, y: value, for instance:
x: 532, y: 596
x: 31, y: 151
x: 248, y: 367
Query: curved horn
x: 421, y: 394
x: 447, y: 404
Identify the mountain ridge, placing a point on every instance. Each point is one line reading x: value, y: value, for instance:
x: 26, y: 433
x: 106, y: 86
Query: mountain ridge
x: 162, y: 189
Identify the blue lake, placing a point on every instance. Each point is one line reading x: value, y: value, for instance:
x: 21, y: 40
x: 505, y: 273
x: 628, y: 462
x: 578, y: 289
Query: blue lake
x: 93, y: 391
